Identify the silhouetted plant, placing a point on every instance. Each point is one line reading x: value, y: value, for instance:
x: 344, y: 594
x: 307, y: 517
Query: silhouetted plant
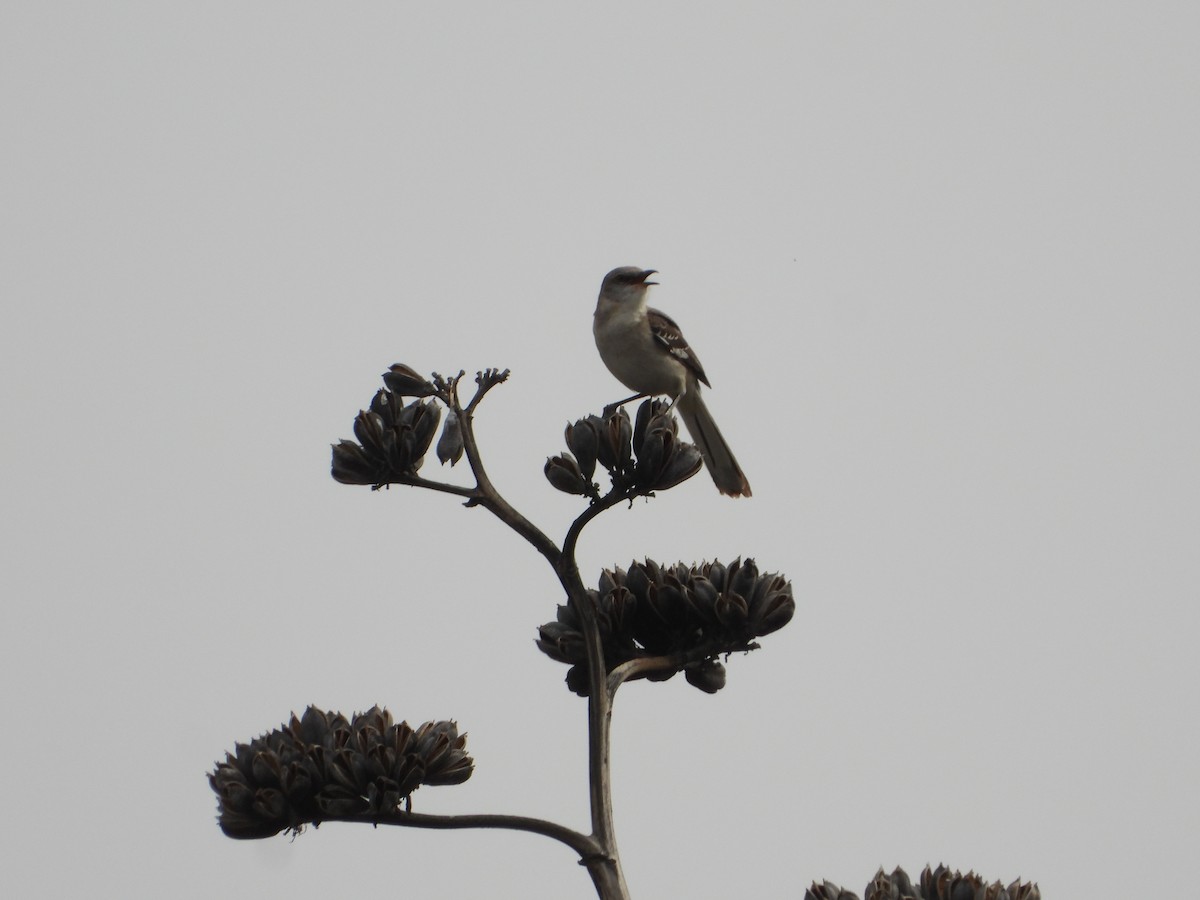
x: 935, y: 884
x: 657, y: 621
x: 323, y: 765
x: 649, y: 622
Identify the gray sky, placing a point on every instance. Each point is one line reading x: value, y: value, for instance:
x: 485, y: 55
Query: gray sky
x: 939, y: 262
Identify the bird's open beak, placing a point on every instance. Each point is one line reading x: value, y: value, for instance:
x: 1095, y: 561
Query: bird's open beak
x: 647, y: 274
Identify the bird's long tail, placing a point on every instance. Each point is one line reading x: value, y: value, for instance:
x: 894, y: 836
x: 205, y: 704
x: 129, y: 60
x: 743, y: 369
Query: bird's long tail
x: 719, y: 459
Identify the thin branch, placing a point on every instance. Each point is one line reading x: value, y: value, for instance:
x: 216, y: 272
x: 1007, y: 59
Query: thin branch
x: 445, y: 488
x: 487, y: 379
x: 648, y: 665
x: 584, y: 845
x: 639, y: 668
x: 604, y: 503
x: 486, y: 494
x: 447, y: 388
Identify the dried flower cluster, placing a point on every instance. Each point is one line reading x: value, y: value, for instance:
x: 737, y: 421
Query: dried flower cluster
x: 392, y: 441
x: 686, y: 615
x: 640, y: 456
x: 935, y: 884
x: 323, y: 765
x: 393, y: 437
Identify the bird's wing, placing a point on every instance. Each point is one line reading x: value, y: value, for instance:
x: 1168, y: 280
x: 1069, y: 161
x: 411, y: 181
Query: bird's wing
x: 670, y: 338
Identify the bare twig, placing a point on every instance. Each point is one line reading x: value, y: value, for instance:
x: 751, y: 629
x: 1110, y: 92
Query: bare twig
x: 446, y: 488
x: 648, y: 665
x: 604, y: 503
x: 484, y: 493
x: 487, y: 379
x: 582, y: 844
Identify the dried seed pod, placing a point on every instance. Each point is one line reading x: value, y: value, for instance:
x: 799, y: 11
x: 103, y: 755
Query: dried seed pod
x: 651, y: 415
x: 583, y: 440
x: 828, y: 891
x: 563, y: 472
x: 708, y: 675
x: 450, y: 444
x: 407, y: 382
x: 614, y: 450
x: 351, y: 465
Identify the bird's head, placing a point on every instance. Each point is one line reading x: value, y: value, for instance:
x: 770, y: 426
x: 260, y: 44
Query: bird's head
x: 627, y: 283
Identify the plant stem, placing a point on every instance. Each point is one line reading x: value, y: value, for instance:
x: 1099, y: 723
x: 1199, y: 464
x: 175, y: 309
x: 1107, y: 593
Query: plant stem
x: 418, y: 481
x: 485, y: 493
x: 582, y: 844
x: 597, y: 851
x: 599, y: 721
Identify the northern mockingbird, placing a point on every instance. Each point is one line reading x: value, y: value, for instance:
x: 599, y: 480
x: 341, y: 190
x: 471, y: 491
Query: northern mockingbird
x: 647, y: 353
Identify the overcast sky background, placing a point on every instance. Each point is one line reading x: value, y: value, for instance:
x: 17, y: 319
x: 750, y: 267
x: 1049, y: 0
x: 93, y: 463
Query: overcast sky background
x: 939, y: 261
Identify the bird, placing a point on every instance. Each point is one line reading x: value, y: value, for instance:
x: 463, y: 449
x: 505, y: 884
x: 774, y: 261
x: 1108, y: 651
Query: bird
x: 648, y: 353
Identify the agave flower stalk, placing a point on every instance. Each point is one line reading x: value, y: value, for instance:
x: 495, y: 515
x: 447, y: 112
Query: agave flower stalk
x: 370, y: 463
x: 645, y: 622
